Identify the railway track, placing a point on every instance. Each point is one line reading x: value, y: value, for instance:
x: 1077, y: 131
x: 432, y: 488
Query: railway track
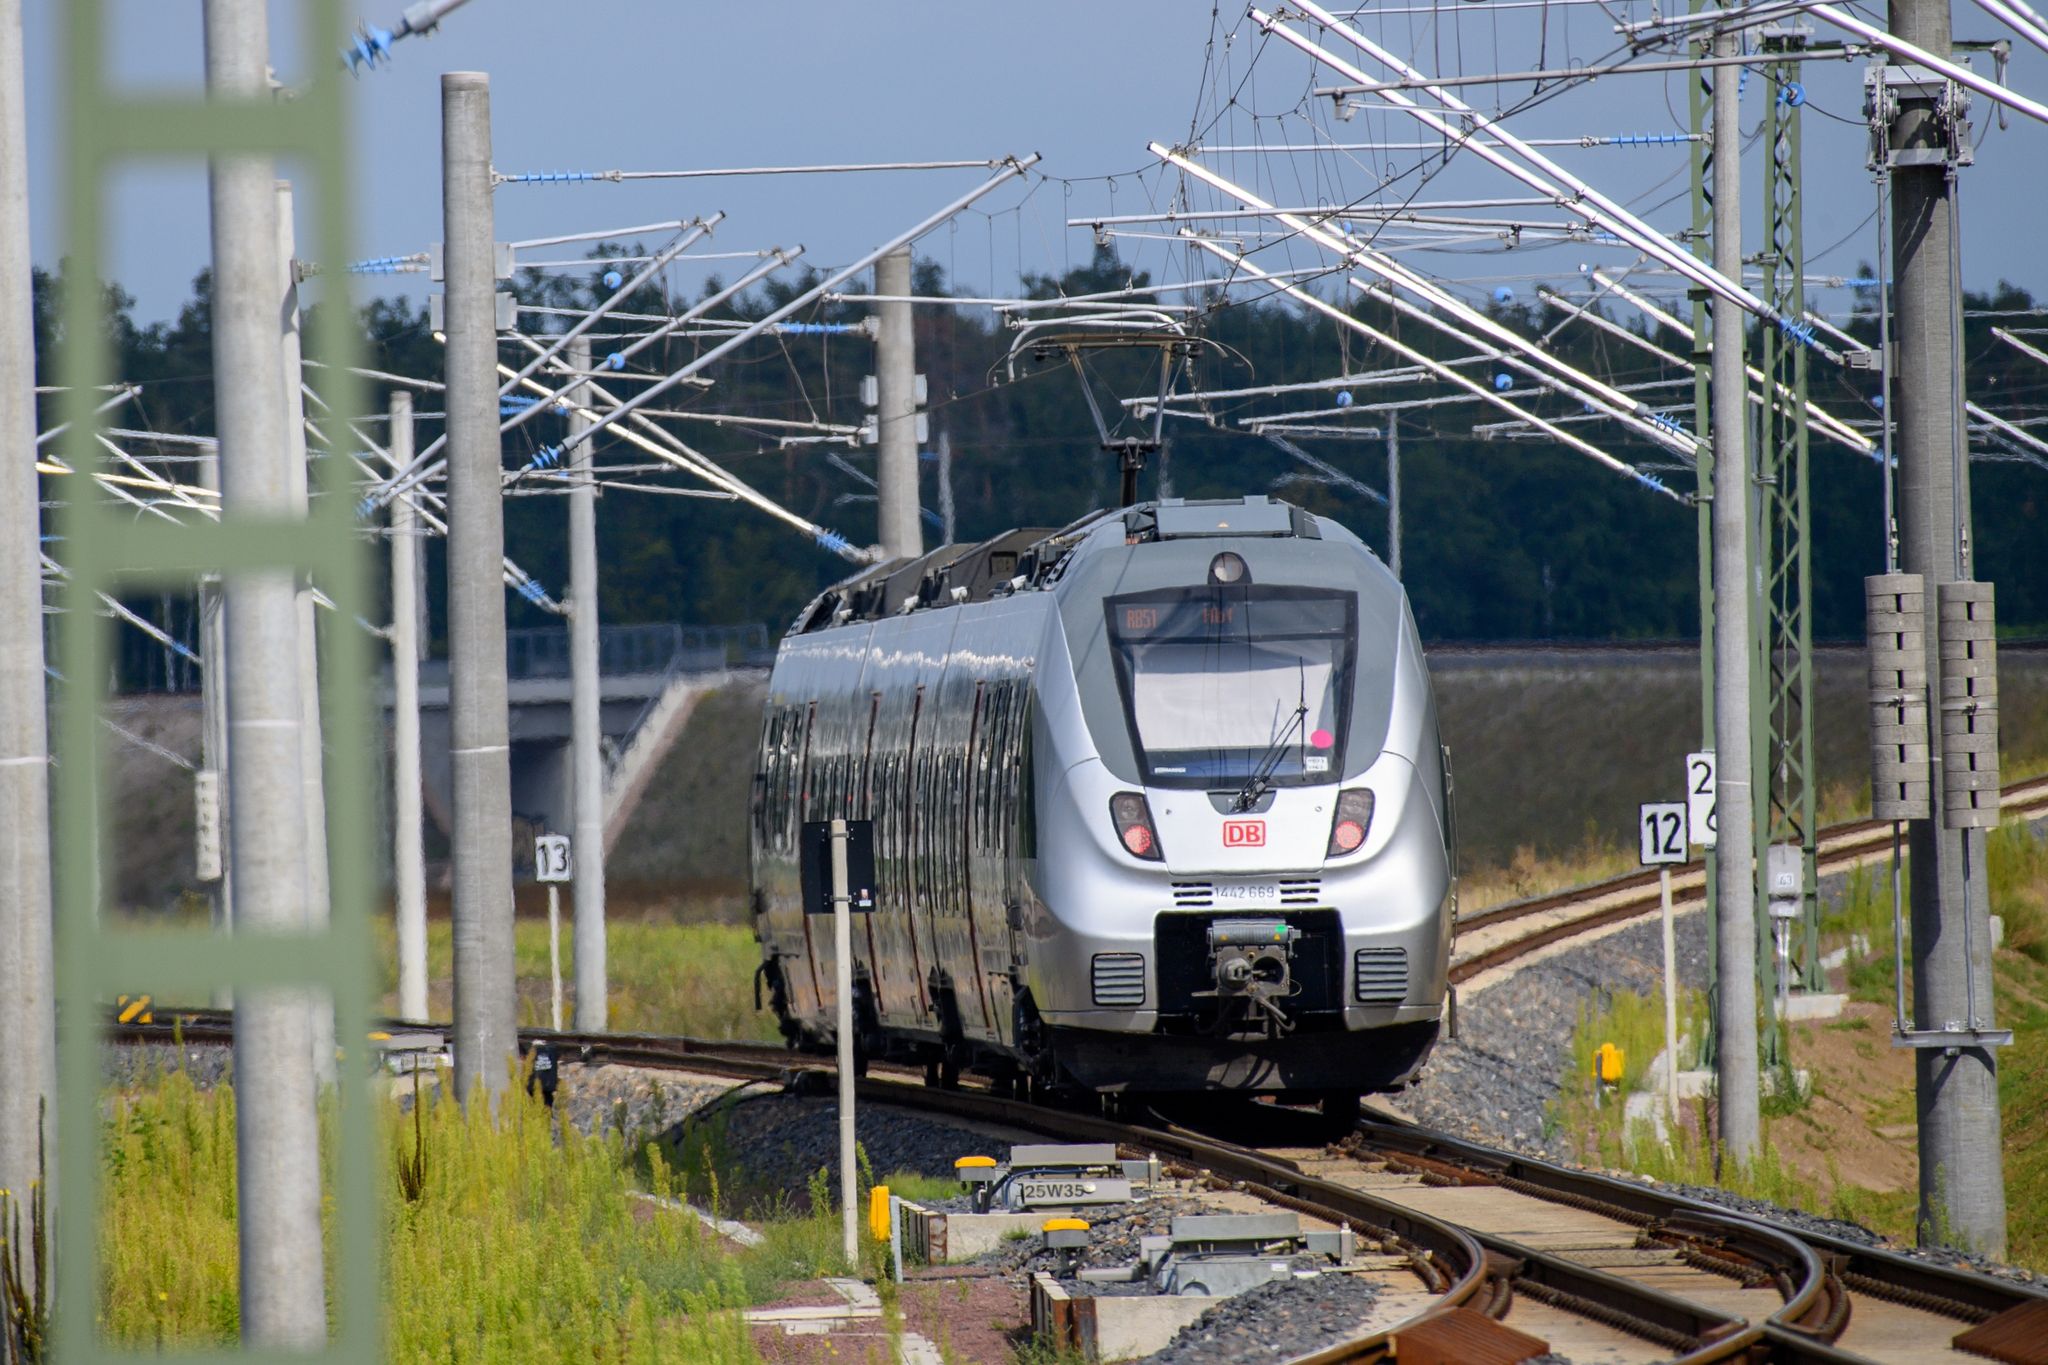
x: 1498, y: 1250
x: 1494, y: 1255
x: 1493, y: 939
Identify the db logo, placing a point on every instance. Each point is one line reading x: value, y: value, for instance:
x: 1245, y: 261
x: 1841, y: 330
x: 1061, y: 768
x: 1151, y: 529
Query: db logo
x: 1244, y: 833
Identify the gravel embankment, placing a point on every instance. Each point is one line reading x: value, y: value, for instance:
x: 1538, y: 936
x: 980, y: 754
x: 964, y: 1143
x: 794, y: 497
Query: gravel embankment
x: 636, y: 1101
x: 1496, y: 1081
x: 1276, y: 1321
x: 124, y: 1065
x: 782, y: 1140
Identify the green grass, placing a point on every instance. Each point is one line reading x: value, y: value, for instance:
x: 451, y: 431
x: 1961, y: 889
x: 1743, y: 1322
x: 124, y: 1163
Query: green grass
x: 2023, y: 1099
x: 526, y: 1241
x: 665, y: 977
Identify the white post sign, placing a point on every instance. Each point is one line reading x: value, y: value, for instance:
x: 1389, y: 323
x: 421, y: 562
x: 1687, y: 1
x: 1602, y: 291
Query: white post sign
x: 1660, y: 833
x: 552, y: 859
x: 554, y: 863
x: 1699, y: 798
x: 1660, y: 836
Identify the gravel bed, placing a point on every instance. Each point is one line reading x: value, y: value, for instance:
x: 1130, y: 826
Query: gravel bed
x: 634, y: 1100
x: 124, y: 1065
x: 1495, y: 1083
x: 1276, y: 1321
x: 1113, y: 1239
x: 781, y: 1140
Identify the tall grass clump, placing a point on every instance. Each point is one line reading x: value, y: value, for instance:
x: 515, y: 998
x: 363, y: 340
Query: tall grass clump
x: 526, y: 1237
x: 169, y: 1270
x: 2016, y: 867
x: 24, y: 1262
x: 507, y: 1238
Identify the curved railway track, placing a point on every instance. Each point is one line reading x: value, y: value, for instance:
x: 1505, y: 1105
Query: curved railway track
x: 1503, y: 1249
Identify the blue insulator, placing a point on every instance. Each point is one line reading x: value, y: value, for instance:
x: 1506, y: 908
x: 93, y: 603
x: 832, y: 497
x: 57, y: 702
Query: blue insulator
x: 1503, y: 381
x: 1792, y: 95
x: 615, y: 361
x: 1877, y: 400
x: 832, y: 541
x: 1344, y: 398
x: 1503, y: 295
x: 613, y: 279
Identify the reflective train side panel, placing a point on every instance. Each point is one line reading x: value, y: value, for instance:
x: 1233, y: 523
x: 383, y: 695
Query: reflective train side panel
x: 1165, y: 809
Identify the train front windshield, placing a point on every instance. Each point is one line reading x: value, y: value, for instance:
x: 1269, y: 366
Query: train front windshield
x: 1224, y: 683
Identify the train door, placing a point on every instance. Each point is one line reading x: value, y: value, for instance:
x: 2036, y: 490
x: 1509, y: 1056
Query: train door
x: 948, y: 806
x: 796, y: 803
x: 868, y: 941
x: 783, y: 926
x: 895, y: 942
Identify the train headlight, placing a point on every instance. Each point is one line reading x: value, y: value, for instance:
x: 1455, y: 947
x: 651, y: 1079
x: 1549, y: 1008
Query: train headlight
x: 1229, y: 567
x: 1132, y: 816
x: 1353, y: 818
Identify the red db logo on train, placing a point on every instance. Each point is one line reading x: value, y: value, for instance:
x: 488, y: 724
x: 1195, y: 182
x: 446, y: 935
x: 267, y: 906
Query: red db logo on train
x: 1244, y: 833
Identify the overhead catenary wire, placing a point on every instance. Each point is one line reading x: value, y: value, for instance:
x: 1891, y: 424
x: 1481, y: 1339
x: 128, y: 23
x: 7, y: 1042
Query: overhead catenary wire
x: 1518, y: 351
x: 707, y: 173
x: 1439, y: 368
x: 1011, y: 168
x: 1540, y: 173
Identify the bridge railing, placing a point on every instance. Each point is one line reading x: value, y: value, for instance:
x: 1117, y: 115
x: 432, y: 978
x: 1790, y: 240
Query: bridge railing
x: 660, y: 649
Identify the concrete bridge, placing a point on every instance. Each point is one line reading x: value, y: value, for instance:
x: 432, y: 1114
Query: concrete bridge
x: 650, y: 678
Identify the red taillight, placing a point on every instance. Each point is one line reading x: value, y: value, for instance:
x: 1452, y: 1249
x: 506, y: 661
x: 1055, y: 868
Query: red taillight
x: 1353, y: 818
x: 1133, y: 820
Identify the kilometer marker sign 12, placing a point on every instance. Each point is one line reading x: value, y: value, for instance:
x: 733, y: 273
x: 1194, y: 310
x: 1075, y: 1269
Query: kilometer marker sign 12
x: 1660, y: 833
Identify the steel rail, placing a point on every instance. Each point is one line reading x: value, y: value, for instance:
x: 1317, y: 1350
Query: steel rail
x: 1806, y: 1328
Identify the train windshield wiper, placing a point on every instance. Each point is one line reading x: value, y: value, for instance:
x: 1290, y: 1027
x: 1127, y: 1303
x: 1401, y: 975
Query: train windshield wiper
x: 1262, y: 775
x: 1262, y: 772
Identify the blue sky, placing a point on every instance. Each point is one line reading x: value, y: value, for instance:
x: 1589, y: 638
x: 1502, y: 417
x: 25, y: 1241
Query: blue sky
x: 652, y: 84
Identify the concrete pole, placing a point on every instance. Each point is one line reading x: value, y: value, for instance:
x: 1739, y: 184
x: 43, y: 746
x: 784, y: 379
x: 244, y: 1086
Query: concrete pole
x: 896, y: 502
x: 486, y: 1022
x: 586, y: 734
x: 1394, y: 496
x: 213, y: 705
x: 1733, y: 807
x: 276, y: 1129
x: 28, y: 1021
x: 408, y: 854
x: 1962, y: 1186
x: 948, y: 521
x: 312, y: 762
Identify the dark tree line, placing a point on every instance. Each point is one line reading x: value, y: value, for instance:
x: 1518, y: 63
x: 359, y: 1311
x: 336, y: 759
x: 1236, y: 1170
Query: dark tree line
x: 1504, y: 538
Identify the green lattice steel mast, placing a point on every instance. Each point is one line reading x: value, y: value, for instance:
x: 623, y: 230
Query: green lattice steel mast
x: 1787, y: 663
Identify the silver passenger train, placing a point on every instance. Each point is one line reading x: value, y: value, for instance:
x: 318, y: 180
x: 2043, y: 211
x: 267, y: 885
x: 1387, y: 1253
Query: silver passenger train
x: 1159, y: 804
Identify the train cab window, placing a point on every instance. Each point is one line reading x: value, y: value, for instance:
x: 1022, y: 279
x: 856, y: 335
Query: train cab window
x: 1226, y: 682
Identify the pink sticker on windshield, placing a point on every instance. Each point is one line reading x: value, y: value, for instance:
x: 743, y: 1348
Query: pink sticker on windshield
x: 1322, y: 739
